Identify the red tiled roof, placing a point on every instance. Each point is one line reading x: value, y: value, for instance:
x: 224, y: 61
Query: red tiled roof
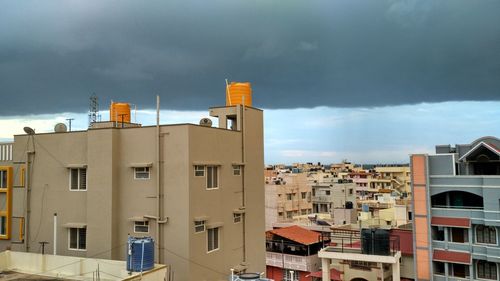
x: 297, y: 234
x: 405, y: 241
x: 334, y: 274
x: 493, y: 146
x: 456, y: 222
x: 450, y: 256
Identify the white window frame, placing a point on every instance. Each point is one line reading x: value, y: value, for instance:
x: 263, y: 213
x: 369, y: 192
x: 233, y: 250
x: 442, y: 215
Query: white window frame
x: 79, y: 179
x: 199, y: 224
x: 237, y: 217
x: 477, y: 271
x: 216, y: 177
x: 482, y: 243
x: 77, y: 239
x: 146, y: 170
x: 141, y: 224
x: 236, y: 170
x: 199, y: 169
x: 217, y: 231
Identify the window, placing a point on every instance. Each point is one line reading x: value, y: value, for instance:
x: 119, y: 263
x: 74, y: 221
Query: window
x: 327, y: 192
x: 199, y: 171
x: 141, y: 227
x: 437, y: 233
x: 289, y: 196
x: 280, y: 214
x: 350, y: 191
x: 212, y: 177
x: 199, y: 226
x: 213, y: 239
x: 289, y: 214
x: 303, y: 212
x: 3, y: 225
x: 77, y: 238
x: 141, y: 173
x: 486, y: 270
x: 236, y: 170
x: 303, y: 194
x: 459, y: 235
x: 3, y: 178
x: 458, y: 270
x: 486, y: 234
x: 237, y: 218
x: 439, y: 268
x: 78, y: 179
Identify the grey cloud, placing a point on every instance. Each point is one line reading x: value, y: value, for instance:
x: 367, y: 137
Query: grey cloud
x: 296, y: 54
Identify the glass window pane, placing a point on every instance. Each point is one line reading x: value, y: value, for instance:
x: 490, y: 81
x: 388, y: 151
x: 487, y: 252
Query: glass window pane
x: 82, y: 239
x: 209, y: 177
x: 74, y: 179
x: 83, y: 179
x: 73, y: 238
x: 3, y: 179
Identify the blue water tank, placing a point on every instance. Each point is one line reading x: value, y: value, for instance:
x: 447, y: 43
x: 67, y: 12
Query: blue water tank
x: 140, y: 254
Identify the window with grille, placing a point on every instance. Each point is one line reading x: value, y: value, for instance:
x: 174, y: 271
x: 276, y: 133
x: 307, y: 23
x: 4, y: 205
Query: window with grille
x: 236, y: 170
x: 486, y: 234
x: 487, y: 270
x: 78, y: 179
x: 237, y: 218
x: 199, y: 171
x: 199, y: 226
x: 141, y: 226
x: 141, y: 173
x: 213, y: 239
x: 78, y: 238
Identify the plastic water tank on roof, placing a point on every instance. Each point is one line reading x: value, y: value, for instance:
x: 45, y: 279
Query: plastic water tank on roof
x: 140, y: 254
x: 235, y: 92
x: 119, y: 112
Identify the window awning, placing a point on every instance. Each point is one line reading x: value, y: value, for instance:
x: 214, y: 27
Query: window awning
x: 137, y: 218
x: 76, y: 166
x: 453, y: 222
x: 214, y: 225
x: 141, y: 165
x: 238, y: 163
x: 207, y: 163
x: 238, y: 211
x: 75, y: 225
x: 451, y: 256
x: 200, y: 218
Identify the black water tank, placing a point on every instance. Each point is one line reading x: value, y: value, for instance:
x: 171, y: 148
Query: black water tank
x: 348, y: 205
x: 381, y: 243
x: 366, y: 241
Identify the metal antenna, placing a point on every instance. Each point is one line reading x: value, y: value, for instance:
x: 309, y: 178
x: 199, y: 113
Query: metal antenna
x: 94, y: 115
x: 69, y: 121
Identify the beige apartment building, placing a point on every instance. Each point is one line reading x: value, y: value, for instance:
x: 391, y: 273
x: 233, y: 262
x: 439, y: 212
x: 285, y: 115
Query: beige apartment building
x: 196, y: 189
x: 292, y: 194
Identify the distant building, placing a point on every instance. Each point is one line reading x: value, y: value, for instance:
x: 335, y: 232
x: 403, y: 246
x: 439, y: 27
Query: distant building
x: 456, y: 201
x: 196, y: 189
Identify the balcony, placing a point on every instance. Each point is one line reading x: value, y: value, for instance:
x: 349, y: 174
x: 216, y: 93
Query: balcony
x: 464, y: 181
x: 322, y: 198
x: 302, y: 263
x: 478, y: 251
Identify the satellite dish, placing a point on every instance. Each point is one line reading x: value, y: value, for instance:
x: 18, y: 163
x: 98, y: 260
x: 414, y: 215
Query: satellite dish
x: 60, y: 128
x: 206, y: 122
x: 29, y: 131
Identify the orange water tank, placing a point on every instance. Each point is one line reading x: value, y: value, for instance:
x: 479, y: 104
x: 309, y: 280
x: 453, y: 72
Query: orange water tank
x: 236, y: 91
x: 119, y: 111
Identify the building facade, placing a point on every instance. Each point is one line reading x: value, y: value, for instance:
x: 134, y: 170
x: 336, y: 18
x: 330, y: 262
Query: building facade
x: 197, y: 190
x: 456, y: 202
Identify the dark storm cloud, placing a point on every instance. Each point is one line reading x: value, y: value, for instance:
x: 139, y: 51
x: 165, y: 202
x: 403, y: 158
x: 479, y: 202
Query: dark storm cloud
x: 54, y: 54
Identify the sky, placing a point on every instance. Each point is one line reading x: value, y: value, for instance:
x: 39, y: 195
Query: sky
x: 370, y: 81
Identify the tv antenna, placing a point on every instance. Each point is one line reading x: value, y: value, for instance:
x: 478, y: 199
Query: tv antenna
x: 94, y: 115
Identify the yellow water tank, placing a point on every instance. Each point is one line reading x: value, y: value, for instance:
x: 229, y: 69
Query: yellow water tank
x: 119, y: 112
x: 236, y: 91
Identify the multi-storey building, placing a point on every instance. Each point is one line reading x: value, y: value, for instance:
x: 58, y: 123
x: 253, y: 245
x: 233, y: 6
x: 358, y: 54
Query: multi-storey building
x: 397, y: 177
x: 196, y: 189
x: 292, y: 193
x: 337, y: 198
x: 456, y: 201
